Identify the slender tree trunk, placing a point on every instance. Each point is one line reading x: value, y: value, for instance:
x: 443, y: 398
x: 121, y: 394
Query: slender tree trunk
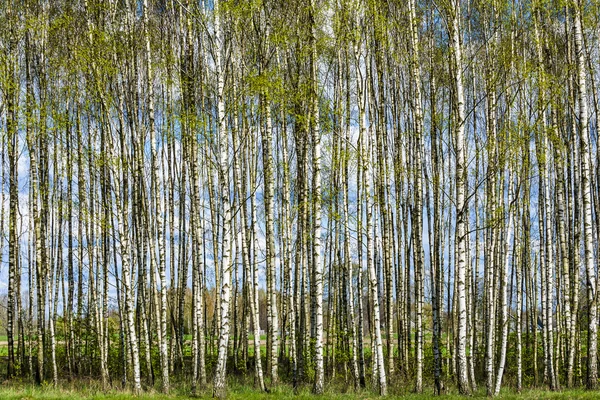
x: 462, y: 210
x: 505, y: 309
x: 219, y: 386
x: 586, y: 173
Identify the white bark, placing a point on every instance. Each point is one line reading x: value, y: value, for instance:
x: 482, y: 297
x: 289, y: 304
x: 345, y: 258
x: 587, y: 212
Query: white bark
x: 504, y: 295
x: 586, y: 178
x: 316, y: 255
x: 377, y: 344
x: 418, y: 215
x: 219, y: 387
x: 462, y: 209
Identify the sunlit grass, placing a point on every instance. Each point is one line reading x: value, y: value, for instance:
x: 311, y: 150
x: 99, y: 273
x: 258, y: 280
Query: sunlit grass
x: 92, y: 390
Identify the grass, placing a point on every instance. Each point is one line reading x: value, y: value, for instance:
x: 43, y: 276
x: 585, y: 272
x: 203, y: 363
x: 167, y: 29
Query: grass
x: 91, y: 391
x: 240, y: 387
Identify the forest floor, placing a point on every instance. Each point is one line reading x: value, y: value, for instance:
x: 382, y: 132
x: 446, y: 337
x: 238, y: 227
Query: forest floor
x: 22, y: 391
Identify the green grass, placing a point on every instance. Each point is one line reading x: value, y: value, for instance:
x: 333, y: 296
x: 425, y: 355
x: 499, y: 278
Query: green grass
x: 77, y: 391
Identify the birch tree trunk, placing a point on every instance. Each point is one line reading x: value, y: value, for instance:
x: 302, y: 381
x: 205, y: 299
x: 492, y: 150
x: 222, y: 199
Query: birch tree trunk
x: 505, y: 311
x: 585, y: 150
x: 267, y: 143
x: 462, y: 204
x: 219, y: 385
x: 316, y: 254
x: 418, y: 207
x: 12, y: 140
x: 156, y: 191
x: 378, y: 362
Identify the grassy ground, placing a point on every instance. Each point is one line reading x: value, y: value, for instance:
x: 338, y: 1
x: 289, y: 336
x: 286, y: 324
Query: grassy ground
x: 16, y: 391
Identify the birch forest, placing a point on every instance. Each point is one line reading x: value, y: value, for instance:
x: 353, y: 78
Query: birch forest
x: 370, y: 197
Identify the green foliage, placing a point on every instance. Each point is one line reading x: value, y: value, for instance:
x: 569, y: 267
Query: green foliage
x: 244, y: 390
